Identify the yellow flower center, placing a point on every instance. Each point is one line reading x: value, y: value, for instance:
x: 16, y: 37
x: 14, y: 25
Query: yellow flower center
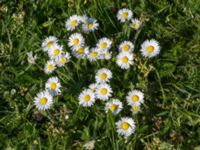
x: 150, y: 48
x: 126, y: 47
x: 56, y: 52
x: 76, y: 41
x: 135, y: 98
x: 135, y: 109
x: 50, y: 67
x: 125, y: 125
x: 104, y: 45
x: 74, y: 23
x: 104, y: 91
x: 125, y: 59
x: 135, y: 25
x: 103, y: 76
x: 49, y: 44
x: 80, y: 50
x: 86, y: 98
x: 90, y: 25
x: 53, y: 85
x: 43, y: 100
x: 113, y: 107
x: 63, y: 60
x: 93, y: 54
x: 124, y: 15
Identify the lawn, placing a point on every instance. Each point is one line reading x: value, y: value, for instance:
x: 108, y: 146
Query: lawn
x: 169, y: 117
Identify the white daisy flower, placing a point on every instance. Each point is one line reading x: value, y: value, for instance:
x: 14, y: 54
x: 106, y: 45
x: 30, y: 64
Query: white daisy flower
x: 89, y: 145
x: 80, y: 52
x: 55, y: 51
x: 115, y: 106
x: 107, y: 55
x: 50, y: 67
x: 90, y: 24
x: 135, y: 97
x: 72, y: 22
x: 31, y: 59
x: 124, y: 14
x: 104, y: 44
x: 53, y: 86
x: 150, y: 48
x: 76, y: 40
x: 43, y: 100
x: 63, y: 59
x: 49, y: 42
x: 125, y: 126
x: 126, y: 46
x: 93, y: 86
x: 87, y: 98
x: 135, y: 108
x: 103, y: 75
x: 103, y: 91
x: 124, y: 60
x: 135, y: 24
x: 94, y: 54
x: 83, y: 18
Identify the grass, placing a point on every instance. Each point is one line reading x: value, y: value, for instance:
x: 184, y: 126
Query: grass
x: 171, y: 115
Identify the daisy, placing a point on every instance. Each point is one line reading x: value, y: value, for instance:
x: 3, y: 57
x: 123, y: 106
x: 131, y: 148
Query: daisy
x: 31, y: 59
x: 63, y: 59
x: 103, y: 91
x: 107, y: 55
x: 49, y: 42
x: 76, y: 40
x: 80, y: 52
x: 124, y: 14
x: 72, y: 22
x: 90, y: 145
x: 55, y: 51
x: 126, y: 46
x: 94, y: 54
x: 90, y: 24
x: 115, y: 106
x: 93, y: 86
x: 103, y: 75
x: 135, y: 24
x: 87, y: 98
x: 150, y: 48
x: 135, y: 97
x: 50, y: 67
x: 43, y: 100
x: 125, y: 126
x: 125, y: 60
x: 53, y: 86
x: 104, y: 44
x: 135, y: 108
x: 83, y: 18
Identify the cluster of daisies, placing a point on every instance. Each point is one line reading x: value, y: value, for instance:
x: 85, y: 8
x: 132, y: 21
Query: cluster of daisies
x: 82, y: 51
x: 101, y: 90
x: 149, y: 48
x: 57, y: 58
x: 44, y: 99
x: 77, y: 42
x: 125, y: 15
x: 86, y: 23
x: 124, y: 60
